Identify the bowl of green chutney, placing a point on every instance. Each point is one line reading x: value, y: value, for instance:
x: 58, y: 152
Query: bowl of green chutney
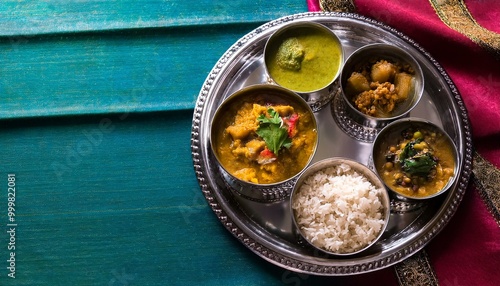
x: 305, y: 57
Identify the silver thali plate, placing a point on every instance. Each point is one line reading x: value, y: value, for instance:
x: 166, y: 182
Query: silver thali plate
x: 266, y: 227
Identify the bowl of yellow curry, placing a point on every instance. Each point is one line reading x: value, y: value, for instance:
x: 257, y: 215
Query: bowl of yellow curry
x: 263, y: 136
x: 305, y: 57
x: 380, y: 83
x: 415, y: 158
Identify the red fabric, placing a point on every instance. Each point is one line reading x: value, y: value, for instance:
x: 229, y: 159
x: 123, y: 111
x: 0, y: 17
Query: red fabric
x: 486, y: 13
x: 313, y: 5
x: 467, y: 252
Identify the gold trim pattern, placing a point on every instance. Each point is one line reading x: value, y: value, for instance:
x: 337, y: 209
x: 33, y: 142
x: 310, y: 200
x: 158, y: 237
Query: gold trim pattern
x: 416, y: 271
x: 455, y: 15
x: 486, y: 178
x: 337, y: 5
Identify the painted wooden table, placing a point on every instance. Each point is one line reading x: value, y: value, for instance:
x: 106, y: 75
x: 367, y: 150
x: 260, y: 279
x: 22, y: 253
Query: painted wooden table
x: 96, y: 105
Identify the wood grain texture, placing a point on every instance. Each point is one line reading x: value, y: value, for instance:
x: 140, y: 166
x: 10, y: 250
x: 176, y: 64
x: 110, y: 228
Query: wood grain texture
x: 109, y: 72
x: 96, y: 104
x: 56, y: 16
x: 97, y: 57
x: 113, y: 200
x: 108, y: 200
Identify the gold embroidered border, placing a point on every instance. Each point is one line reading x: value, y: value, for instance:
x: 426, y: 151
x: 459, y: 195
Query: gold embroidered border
x: 486, y: 177
x: 337, y: 5
x: 416, y: 270
x: 455, y: 15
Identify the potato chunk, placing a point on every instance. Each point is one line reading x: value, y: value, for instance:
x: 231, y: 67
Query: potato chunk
x: 357, y: 83
x: 254, y: 147
x: 383, y: 71
x: 284, y: 110
x: 238, y: 131
x: 247, y: 174
x: 403, y: 84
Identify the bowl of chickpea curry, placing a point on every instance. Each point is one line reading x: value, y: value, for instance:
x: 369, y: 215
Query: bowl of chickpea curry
x: 263, y: 136
x: 380, y: 83
x: 415, y: 158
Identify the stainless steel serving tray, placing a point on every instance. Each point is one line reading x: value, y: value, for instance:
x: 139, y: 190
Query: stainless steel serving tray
x: 266, y: 228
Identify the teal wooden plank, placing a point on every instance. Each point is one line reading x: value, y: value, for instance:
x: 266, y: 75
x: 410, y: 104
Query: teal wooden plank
x: 55, y: 16
x: 109, y: 72
x: 45, y: 72
x: 113, y: 200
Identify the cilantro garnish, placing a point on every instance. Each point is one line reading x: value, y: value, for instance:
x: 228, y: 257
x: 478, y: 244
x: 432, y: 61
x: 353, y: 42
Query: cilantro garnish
x: 272, y: 131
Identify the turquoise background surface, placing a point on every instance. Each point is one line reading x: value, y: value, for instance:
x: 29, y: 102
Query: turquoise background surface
x: 96, y: 105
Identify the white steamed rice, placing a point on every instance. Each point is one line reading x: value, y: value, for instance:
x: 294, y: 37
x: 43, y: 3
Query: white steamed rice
x: 338, y: 209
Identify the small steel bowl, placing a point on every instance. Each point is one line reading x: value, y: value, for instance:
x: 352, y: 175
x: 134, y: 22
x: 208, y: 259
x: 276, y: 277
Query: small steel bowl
x: 316, y: 96
x: 342, y: 167
x: 264, y: 94
x: 391, y: 135
x: 369, y: 54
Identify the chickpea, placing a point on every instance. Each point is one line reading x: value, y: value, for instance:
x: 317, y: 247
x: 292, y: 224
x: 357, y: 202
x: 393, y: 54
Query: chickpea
x: 393, y: 149
x: 439, y: 171
x: 418, y: 147
x: 421, y: 191
x: 439, y: 185
x: 389, y: 166
x: 448, y: 171
x: 417, y: 135
x: 407, y: 180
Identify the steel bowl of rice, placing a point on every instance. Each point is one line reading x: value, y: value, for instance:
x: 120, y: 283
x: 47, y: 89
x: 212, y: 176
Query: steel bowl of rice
x: 340, y: 206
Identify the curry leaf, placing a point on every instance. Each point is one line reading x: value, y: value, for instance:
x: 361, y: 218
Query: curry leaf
x: 419, y: 165
x: 409, y: 151
x: 414, y: 162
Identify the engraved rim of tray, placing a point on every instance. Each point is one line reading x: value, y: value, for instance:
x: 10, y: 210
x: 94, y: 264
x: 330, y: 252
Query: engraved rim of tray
x: 281, y: 259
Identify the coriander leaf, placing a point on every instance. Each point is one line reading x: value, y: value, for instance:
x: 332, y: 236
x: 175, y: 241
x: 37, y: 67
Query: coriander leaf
x: 274, y: 119
x: 274, y: 136
x: 272, y: 131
